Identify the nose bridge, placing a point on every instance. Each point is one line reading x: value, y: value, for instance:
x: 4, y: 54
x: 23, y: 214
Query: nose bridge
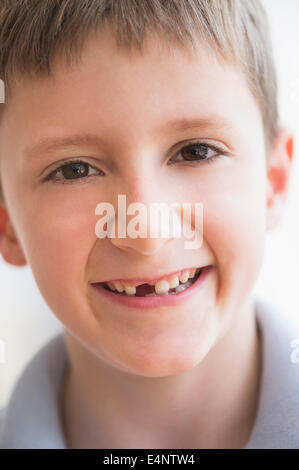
x: 137, y: 188
x: 144, y: 234
x: 141, y: 188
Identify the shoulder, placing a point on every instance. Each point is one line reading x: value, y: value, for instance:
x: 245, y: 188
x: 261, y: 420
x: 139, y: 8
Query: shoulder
x: 278, y: 333
x: 31, y: 418
x: 277, y: 419
x: 2, y: 418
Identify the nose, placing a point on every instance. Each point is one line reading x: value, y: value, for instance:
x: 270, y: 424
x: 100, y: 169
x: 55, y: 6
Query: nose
x: 145, y: 227
x: 144, y: 224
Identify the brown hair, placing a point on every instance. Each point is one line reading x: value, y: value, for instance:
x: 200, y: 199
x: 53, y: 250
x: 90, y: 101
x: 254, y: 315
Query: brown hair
x: 33, y: 31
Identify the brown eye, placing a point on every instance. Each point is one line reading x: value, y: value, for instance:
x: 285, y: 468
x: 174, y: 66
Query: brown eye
x: 199, y: 153
x: 75, y: 170
x: 195, y: 152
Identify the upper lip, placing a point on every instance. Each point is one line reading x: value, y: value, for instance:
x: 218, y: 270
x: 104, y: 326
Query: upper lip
x: 147, y: 280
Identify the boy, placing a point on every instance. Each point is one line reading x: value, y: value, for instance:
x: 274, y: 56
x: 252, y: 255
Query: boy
x: 161, y: 101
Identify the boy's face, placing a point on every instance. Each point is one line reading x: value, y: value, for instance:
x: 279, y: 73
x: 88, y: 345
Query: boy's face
x: 126, y: 102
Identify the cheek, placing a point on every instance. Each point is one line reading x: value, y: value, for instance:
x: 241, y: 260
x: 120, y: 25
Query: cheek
x: 59, y: 238
x: 234, y: 227
x: 234, y: 221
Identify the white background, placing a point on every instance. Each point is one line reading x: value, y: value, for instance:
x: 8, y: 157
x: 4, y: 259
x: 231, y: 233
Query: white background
x: 26, y: 322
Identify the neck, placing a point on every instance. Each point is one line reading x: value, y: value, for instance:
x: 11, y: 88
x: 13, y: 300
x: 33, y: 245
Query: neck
x: 213, y: 405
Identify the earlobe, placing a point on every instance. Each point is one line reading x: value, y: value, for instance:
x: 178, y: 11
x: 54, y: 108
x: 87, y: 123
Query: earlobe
x: 290, y: 146
x: 10, y: 247
x: 278, y: 176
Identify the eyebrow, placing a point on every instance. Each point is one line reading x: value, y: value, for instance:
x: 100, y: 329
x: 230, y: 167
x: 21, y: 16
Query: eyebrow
x: 213, y: 121
x: 48, y: 145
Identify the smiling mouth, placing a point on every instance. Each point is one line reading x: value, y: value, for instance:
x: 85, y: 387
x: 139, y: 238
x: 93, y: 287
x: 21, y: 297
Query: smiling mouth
x: 146, y: 290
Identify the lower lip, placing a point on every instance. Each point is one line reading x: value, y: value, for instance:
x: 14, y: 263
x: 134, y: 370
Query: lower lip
x: 160, y: 300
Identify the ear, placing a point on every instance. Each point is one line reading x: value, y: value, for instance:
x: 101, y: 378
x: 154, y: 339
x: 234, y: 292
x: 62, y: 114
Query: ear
x: 10, y: 247
x: 278, y: 175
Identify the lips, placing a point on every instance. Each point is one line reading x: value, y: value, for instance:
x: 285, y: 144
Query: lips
x: 155, y: 301
x: 168, y: 283
x: 175, y: 285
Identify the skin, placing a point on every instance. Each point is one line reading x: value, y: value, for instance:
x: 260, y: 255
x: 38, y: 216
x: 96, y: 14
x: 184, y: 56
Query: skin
x: 172, y: 377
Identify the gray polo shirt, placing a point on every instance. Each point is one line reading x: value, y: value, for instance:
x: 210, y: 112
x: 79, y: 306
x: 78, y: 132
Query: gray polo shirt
x: 31, y: 420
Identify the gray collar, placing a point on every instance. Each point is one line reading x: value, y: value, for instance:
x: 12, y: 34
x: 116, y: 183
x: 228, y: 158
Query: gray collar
x: 32, y: 419
x: 32, y: 416
x: 277, y: 421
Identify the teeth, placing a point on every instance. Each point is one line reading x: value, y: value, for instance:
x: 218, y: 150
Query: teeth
x: 174, y: 282
x: 184, y: 276
x: 180, y: 288
x: 118, y: 286
x: 161, y: 287
x: 130, y: 290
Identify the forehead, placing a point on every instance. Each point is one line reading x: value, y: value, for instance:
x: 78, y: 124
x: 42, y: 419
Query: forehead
x: 158, y: 90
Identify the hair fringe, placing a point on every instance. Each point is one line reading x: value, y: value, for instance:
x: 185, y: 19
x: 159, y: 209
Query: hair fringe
x: 32, y: 32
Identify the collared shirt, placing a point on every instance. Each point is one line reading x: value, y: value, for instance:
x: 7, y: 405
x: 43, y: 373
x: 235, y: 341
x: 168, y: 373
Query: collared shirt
x: 32, y: 419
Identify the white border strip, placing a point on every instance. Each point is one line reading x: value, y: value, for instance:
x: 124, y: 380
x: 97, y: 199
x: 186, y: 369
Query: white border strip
x: 2, y: 91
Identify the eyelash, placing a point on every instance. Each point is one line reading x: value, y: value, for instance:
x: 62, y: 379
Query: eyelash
x: 220, y: 152
x: 196, y: 144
